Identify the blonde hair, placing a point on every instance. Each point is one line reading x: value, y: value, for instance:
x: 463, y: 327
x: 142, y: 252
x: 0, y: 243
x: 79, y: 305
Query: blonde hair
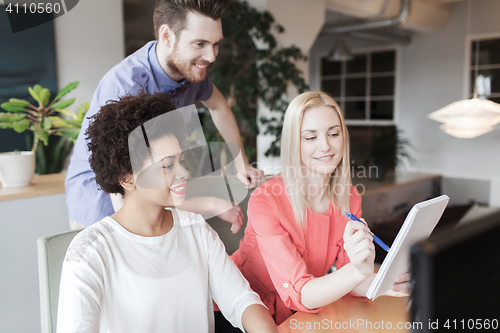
x: 290, y: 155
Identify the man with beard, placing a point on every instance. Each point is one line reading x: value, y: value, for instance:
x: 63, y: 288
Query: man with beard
x: 188, y: 35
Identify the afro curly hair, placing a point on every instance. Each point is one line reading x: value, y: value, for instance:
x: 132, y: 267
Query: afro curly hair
x: 109, y: 130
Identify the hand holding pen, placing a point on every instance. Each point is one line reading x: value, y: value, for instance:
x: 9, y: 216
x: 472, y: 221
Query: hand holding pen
x: 377, y: 240
x: 359, y: 247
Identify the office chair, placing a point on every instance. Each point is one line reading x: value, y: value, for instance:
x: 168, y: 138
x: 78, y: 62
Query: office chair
x: 51, y: 252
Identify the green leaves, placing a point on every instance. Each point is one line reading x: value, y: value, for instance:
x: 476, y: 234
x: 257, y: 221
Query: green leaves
x: 69, y: 128
x: 40, y: 133
x: 17, y: 121
x: 66, y: 90
x: 68, y: 113
x: 71, y: 133
x: 47, y: 124
x: 82, y: 110
x: 44, y: 97
x: 11, y: 117
x: 62, y: 104
x: 42, y: 120
x: 58, y: 122
x: 39, y: 94
x: 6, y: 125
x: 15, y: 105
x: 19, y: 102
x: 34, y: 93
x: 21, y: 126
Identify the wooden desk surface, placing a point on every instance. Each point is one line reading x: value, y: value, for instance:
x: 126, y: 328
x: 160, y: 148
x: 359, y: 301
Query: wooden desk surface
x: 40, y: 185
x: 353, y: 314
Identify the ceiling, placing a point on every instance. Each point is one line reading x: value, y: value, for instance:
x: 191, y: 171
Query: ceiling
x: 425, y: 16
x: 393, y: 21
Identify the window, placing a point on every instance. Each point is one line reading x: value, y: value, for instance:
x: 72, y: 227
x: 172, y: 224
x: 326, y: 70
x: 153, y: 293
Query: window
x: 363, y: 86
x: 485, y: 69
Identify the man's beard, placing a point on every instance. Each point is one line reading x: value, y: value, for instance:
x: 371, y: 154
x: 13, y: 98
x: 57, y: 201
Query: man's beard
x: 184, y: 68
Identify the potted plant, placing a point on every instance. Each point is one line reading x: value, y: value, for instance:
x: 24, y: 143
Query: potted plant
x: 46, y: 119
x: 388, y: 149
x: 251, y: 67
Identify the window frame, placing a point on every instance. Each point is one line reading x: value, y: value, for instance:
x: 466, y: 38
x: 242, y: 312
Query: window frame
x: 468, y: 67
x: 397, y: 83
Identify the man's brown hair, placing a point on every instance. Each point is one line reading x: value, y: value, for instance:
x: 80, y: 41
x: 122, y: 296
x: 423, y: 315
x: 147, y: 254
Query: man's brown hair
x: 174, y: 12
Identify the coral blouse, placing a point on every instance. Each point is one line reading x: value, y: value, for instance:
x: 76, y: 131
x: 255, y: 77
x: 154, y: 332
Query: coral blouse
x: 278, y: 258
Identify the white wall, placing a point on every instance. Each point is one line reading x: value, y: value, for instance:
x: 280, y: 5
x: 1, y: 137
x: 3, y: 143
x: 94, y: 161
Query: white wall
x: 89, y: 41
x: 433, y: 72
x: 22, y: 222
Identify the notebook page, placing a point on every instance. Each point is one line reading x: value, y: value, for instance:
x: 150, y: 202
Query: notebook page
x: 417, y: 226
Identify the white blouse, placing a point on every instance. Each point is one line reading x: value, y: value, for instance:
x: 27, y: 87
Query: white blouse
x: 116, y: 281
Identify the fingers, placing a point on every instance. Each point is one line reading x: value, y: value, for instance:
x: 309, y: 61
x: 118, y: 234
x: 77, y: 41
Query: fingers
x: 255, y: 176
x: 393, y: 293
x: 354, y: 247
x: 405, y: 277
x: 242, y: 177
x: 358, y: 244
x: 404, y: 287
x: 402, y: 284
x: 251, y: 176
x: 252, y: 182
x: 231, y: 213
x: 236, y: 219
x: 362, y: 255
x: 235, y: 227
x: 356, y: 228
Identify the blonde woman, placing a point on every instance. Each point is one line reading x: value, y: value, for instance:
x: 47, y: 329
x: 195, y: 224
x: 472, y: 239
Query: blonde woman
x: 296, y: 230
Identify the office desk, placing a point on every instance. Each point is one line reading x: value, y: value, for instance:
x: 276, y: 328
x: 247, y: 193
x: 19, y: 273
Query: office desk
x: 353, y: 314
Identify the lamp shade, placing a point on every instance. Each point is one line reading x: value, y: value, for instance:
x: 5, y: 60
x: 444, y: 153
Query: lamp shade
x: 468, y: 118
x: 340, y: 50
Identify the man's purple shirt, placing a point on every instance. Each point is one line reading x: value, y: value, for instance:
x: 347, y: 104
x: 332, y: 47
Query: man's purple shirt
x: 87, y: 204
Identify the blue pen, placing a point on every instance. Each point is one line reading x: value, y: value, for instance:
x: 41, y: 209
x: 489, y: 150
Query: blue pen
x: 377, y: 240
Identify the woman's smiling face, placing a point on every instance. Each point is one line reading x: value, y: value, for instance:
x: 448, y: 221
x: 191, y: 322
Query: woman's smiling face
x: 321, y: 141
x: 164, y: 181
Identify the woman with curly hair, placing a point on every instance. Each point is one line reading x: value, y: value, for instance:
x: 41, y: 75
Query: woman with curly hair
x: 149, y: 267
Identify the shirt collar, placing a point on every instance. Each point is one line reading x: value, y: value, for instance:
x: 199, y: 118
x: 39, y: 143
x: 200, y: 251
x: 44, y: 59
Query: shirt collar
x: 169, y: 86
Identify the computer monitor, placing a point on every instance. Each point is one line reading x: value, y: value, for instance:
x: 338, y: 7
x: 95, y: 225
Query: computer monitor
x: 456, y: 278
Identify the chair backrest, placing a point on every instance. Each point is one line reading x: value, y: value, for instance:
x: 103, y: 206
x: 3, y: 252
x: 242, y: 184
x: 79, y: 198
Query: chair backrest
x: 51, y: 252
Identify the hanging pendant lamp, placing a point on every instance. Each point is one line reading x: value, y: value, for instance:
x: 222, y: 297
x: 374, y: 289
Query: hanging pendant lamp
x: 470, y: 118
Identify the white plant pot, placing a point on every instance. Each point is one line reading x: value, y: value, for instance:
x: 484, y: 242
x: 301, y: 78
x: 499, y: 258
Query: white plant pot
x: 17, y: 168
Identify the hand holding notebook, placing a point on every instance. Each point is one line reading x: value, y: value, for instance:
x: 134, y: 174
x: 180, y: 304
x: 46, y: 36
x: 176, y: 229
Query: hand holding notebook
x: 418, y: 226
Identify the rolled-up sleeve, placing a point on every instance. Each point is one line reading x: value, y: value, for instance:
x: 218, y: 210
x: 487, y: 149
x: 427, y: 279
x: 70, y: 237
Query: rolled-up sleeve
x: 284, y: 263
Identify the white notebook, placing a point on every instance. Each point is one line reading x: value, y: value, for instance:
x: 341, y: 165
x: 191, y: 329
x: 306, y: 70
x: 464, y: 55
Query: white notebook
x: 418, y: 226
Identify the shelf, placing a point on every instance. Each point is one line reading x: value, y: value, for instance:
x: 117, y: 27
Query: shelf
x: 40, y: 186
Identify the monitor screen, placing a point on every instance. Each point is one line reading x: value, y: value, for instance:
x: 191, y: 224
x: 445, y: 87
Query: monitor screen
x: 456, y: 277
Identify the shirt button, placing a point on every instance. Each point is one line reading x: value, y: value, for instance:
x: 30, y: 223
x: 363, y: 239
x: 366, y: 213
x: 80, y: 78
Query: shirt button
x: 143, y: 75
x: 285, y: 285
